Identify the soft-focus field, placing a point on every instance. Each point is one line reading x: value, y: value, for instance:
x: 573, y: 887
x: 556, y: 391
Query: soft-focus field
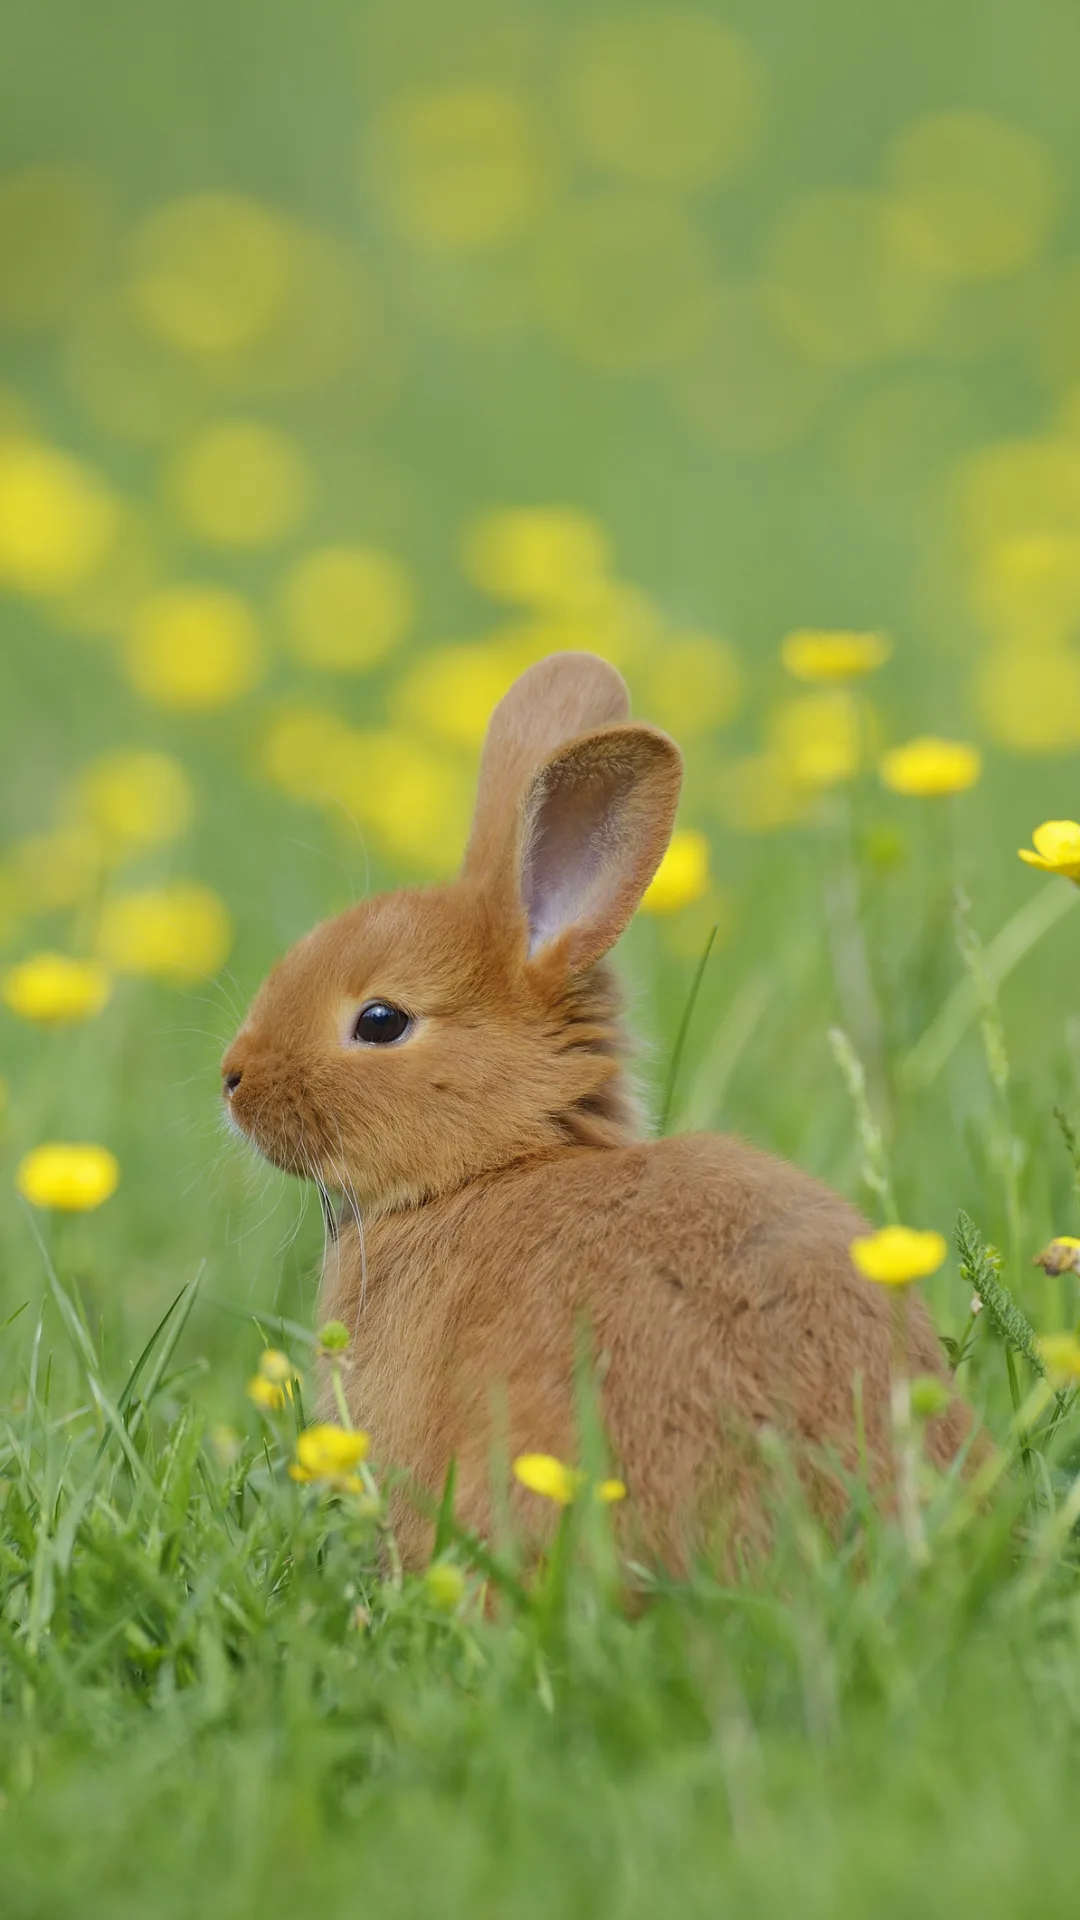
x: 354, y: 356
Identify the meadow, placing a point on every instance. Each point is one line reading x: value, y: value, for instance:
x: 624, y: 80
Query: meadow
x: 352, y: 359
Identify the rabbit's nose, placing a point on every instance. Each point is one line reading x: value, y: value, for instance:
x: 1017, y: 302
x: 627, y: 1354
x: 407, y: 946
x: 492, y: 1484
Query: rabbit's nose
x: 232, y: 1081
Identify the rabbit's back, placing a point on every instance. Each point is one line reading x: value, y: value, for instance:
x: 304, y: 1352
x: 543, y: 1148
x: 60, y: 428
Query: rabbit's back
x: 714, y: 1285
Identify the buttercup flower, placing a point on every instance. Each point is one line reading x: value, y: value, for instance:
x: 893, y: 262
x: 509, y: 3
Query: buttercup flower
x: 810, y: 654
x: 1061, y: 1256
x: 543, y: 1474
x: 1061, y: 1357
x: 931, y: 767
x: 67, y: 1179
x: 267, y: 1394
x: 330, y: 1454
x: 895, y: 1256
x: 1057, y: 849
x: 682, y: 876
x: 55, y: 989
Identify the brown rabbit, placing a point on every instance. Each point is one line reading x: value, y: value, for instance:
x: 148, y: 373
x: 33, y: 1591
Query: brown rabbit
x: 451, y: 1061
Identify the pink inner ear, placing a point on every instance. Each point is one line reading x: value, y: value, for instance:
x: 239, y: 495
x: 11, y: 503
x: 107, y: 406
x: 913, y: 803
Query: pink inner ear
x: 571, y: 870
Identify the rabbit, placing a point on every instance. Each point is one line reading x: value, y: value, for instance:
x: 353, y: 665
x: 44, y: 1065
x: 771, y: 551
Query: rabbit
x: 451, y: 1062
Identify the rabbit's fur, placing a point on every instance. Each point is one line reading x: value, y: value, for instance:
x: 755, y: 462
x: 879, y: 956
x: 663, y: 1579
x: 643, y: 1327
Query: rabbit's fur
x: 509, y: 1202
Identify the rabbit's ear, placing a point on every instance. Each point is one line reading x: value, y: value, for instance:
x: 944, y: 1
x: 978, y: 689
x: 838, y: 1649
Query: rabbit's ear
x: 561, y: 697
x: 594, y: 826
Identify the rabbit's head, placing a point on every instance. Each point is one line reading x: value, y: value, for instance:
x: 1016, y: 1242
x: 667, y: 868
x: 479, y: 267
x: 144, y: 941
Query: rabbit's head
x: 427, y: 1036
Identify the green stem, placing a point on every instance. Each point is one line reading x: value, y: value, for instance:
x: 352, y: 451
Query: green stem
x: 684, y: 1028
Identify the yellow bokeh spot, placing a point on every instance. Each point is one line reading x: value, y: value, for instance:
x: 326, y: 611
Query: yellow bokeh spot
x: 931, y: 767
x: 759, y: 793
x: 415, y: 802
x: 1026, y: 590
x: 135, y: 799
x: 742, y: 386
x: 689, y: 683
x: 101, y: 604
x: 982, y: 188
x: 547, y: 557
x: 853, y: 277
x: 53, y: 870
x: 297, y: 747
x: 346, y: 607
x: 240, y: 484
x: 452, y: 691
x: 193, y: 649
x: 682, y: 876
x: 461, y: 168
x: 57, y: 519
x: 665, y: 96
x: 625, y: 283
x: 125, y: 379
x: 55, y: 989
x: 68, y: 1178
x: 52, y: 235
x: 894, y: 1256
x: 1029, y: 702
x: 1015, y: 489
x: 815, y: 654
x: 1060, y: 1355
x: 178, y: 932
x: 208, y: 273
x: 818, y: 738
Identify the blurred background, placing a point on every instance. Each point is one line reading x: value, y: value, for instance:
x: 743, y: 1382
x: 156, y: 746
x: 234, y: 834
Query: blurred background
x: 356, y: 355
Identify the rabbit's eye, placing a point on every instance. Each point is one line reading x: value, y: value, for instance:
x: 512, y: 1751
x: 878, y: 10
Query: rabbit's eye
x: 378, y: 1023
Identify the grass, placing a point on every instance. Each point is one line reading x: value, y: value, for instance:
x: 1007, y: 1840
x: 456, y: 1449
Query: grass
x: 216, y: 1694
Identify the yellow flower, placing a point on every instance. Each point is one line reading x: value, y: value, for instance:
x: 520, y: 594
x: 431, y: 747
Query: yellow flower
x: 276, y: 1366
x: 1057, y: 849
x: 820, y: 656
x: 179, y: 932
x: 135, y: 799
x: 894, y: 1256
x: 609, y: 1491
x: 1061, y: 1256
x: 543, y: 1474
x: 57, y: 520
x: 68, y: 1179
x: 346, y: 608
x: 193, y: 649
x: 682, y: 876
x: 240, y: 484
x: 931, y: 767
x: 444, y: 1585
x: 1061, y: 1358
x: 55, y: 989
x: 331, y: 1454
x: 267, y: 1394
